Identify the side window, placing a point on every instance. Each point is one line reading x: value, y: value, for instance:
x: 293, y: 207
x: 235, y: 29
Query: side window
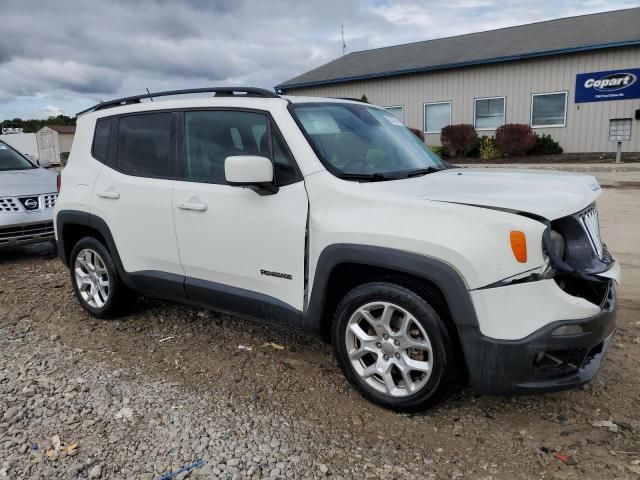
x: 212, y: 136
x: 143, y: 144
x: 100, y: 148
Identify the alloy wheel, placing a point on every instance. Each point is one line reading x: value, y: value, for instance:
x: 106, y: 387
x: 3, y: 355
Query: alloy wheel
x: 389, y: 349
x: 92, y: 278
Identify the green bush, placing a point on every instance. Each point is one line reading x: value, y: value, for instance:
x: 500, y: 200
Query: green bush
x: 545, y: 145
x: 438, y: 150
x: 488, y: 148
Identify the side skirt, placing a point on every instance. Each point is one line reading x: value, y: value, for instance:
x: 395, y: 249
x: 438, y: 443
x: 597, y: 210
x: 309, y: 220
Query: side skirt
x: 214, y: 296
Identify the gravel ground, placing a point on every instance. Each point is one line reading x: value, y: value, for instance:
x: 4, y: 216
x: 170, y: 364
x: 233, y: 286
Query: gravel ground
x: 169, y: 385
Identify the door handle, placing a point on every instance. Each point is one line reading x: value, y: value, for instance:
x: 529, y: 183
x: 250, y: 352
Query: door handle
x: 109, y: 194
x: 197, y: 206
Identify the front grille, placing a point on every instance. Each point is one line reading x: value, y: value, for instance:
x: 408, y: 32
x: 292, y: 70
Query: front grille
x: 30, y: 204
x: 26, y: 233
x: 33, y: 203
x: 50, y: 200
x: 9, y: 204
x: 590, y: 223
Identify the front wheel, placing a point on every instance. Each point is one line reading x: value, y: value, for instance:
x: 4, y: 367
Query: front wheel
x: 95, y: 280
x: 393, y: 347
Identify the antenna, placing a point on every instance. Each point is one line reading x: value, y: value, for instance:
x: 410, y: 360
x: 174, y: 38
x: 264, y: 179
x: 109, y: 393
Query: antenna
x: 149, y: 94
x: 344, y: 45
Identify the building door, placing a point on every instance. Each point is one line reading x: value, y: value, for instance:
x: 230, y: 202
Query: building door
x: 47, y: 151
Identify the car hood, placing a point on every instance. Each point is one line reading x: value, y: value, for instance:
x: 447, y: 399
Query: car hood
x: 27, y: 182
x: 548, y: 194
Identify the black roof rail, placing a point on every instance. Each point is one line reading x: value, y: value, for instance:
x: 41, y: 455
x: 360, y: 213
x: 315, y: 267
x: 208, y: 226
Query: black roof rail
x: 219, y: 91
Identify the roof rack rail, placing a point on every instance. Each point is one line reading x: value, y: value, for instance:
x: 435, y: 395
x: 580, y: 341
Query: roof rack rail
x: 219, y: 91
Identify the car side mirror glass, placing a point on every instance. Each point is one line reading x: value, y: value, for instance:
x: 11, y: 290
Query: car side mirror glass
x: 250, y: 171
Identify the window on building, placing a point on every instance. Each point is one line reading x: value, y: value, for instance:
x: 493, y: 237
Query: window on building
x: 397, y: 112
x: 489, y: 113
x: 101, y: 139
x: 144, y: 143
x: 437, y: 115
x: 548, y: 109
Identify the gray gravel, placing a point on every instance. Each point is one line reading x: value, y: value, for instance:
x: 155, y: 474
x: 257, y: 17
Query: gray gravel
x: 167, y: 386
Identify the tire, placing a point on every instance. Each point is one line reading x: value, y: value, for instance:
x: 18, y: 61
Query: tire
x: 393, y: 347
x: 96, y: 282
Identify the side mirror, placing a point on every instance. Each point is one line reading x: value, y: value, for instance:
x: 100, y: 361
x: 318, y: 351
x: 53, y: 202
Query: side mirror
x: 250, y: 171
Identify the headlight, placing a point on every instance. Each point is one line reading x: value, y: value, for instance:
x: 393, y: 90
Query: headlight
x: 557, y: 243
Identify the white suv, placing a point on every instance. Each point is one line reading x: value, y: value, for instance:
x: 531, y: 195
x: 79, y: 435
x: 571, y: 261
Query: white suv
x: 330, y: 216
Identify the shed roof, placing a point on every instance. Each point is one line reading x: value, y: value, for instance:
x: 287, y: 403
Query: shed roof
x: 62, y: 128
x: 553, y: 37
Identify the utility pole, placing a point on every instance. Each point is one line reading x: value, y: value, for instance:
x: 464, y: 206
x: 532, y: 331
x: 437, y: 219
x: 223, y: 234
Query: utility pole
x: 344, y: 45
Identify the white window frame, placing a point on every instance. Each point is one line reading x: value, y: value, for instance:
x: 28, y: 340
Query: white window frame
x: 401, y: 107
x: 424, y: 114
x: 558, y: 125
x: 504, y: 103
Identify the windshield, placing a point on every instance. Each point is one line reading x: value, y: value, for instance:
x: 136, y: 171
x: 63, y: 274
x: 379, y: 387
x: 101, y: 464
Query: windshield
x: 12, y: 160
x: 364, y: 142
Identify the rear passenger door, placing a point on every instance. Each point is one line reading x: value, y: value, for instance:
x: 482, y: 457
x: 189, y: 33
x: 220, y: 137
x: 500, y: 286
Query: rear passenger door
x: 133, y: 193
x: 241, y: 251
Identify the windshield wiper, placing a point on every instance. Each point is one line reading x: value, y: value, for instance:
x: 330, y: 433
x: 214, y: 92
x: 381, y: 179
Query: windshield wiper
x: 422, y: 171
x: 367, y: 177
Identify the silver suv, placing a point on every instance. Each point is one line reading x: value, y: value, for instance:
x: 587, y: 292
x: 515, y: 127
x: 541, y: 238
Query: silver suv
x: 28, y: 194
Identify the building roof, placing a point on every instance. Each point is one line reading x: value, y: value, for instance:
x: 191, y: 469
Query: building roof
x: 553, y: 37
x: 62, y: 128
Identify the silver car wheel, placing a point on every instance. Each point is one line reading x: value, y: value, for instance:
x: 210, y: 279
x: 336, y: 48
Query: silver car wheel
x: 389, y: 349
x: 92, y: 278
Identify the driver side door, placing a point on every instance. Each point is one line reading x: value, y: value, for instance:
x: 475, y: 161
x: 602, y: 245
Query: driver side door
x: 241, y: 252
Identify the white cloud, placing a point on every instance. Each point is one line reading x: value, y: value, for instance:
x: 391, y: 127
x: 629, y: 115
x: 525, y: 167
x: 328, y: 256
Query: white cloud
x: 77, y: 53
x: 52, y: 111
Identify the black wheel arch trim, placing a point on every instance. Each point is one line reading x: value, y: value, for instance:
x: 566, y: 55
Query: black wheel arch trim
x: 86, y: 219
x: 445, y: 277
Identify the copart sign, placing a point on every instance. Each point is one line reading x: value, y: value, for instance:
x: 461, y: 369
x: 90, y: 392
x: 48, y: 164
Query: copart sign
x: 605, y: 86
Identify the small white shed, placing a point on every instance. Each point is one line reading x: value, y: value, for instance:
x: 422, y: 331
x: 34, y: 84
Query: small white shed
x: 54, y: 144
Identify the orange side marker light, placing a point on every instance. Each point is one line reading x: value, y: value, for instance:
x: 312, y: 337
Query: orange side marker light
x: 518, y: 245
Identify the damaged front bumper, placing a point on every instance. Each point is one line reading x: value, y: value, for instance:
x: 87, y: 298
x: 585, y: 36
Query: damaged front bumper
x: 547, y: 331
x: 562, y: 354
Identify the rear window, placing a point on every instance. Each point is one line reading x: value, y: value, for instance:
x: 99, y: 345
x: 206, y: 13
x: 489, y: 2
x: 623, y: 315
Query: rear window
x: 100, y: 148
x: 143, y: 145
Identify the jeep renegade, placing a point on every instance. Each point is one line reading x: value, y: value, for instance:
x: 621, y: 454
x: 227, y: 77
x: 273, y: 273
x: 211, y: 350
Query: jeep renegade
x: 330, y: 216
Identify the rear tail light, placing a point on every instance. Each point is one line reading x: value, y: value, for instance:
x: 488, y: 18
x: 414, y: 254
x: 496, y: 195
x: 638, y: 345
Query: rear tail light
x: 59, y: 183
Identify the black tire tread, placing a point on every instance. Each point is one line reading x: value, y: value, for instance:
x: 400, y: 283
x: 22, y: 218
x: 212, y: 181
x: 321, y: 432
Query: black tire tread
x: 121, y: 298
x: 410, y: 299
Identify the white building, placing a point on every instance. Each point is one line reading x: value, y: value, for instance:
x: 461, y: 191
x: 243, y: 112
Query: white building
x: 25, y: 143
x: 572, y: 78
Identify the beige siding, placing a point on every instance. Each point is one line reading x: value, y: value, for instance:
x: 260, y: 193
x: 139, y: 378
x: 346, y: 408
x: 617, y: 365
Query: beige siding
x: 66, y: 139
x: 586, y: 128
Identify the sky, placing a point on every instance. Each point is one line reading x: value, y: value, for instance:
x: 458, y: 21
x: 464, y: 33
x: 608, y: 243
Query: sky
x: 61, y: 57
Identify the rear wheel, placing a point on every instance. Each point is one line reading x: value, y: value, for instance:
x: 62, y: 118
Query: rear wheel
x: 95, y: 280
x: 393, y: 347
